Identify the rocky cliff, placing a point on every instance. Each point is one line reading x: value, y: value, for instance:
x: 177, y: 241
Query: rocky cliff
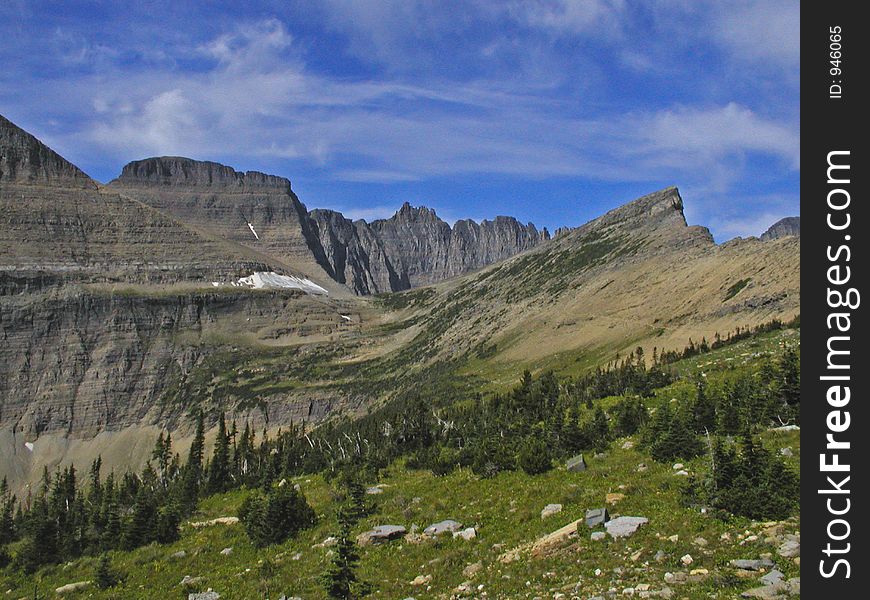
x: 26, y: 160
x: 412, y: 248
x: 57, y: 225
x: 415, y: 247
x: 789, y: 226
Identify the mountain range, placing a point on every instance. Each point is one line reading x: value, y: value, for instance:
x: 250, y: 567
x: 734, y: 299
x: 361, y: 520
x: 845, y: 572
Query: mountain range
x: 126, y: 307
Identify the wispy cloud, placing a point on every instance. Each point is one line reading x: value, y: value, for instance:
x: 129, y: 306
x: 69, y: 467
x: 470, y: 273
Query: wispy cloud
x: 404, y: 92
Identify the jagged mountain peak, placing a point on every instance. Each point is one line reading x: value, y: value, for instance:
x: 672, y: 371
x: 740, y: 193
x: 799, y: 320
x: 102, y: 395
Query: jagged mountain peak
x: 179, y: 171
x: 26, y: 160
x: 656, y: 216
x: 415, y: 214
x: 789, y: 226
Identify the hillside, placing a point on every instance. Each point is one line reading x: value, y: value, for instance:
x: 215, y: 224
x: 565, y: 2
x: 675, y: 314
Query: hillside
x: 681, y: 552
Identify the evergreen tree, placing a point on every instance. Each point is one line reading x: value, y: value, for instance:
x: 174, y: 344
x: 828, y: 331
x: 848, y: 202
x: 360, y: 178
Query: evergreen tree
x: 534, y: 457
x: 219, y: 478
x: 140, y: 529
x: 7, y: 514
x: 703, y: 409
x: 273, y: 517
x: 340, y: 579
x: 193, y: 467
x: 105, y: 577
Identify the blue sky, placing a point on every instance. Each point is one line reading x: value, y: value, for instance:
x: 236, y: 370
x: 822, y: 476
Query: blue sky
x: 552, y: 111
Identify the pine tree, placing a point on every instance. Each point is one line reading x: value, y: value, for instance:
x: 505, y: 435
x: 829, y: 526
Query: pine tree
x: 219, y: 467
x: 105, y: 577
x: 704, y: 409
x: 7, y: 514
x: 193, y: 467
x: 340, y: 579
x: 141, y: 528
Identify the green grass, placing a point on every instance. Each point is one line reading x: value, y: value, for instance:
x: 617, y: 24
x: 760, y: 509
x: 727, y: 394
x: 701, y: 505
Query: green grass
x: 505, y: 510
x: 735, y: 289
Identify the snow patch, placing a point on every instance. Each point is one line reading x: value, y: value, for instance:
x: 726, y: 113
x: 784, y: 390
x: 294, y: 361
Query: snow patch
x: 346, y: 318
x: 251, y: 227
x: 29, y: 446
x: 271, y: 280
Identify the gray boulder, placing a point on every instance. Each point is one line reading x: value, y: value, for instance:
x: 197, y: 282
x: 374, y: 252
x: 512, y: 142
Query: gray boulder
x: 772, y: 578
x: 576, y: 464
x: 550, y: 510
x: 381, y: 534
x: 752, y: 564
x: 624, y: 526
x: 446, y: 526
x: 209, y: 595
x: 596, y: 517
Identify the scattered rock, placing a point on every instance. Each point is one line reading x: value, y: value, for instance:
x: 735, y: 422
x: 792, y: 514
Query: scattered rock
x: 73, y: 587
x: 627, y: 445
x: 751, y: 564
x: 209, y: 595
x: 596, y: 516
x: 421, y: 580
x: 772, y: 578
x: 381, y: 534
x: 472, y: 570
x: 550, y: 510
x: 678, y: 466
x: 791, y: 547
x: 597, y: 536
x: 686, y: 559
x: 787, y: 451
x: 330, y: 541
x: 674, y: 538
x: 467, y: 534
x: 227, y: 551
x: 641, y: 468
x: 682, y: 473
x: 372, y: 491
x: 624, y: 526
x: 576, y: 464
x: 188, y: 580
x: 660, y: 556
x: 217, y: 521
x: 699, y: 541
x: 441, y: 527
x: 179, y: 554
x: 613, y: 498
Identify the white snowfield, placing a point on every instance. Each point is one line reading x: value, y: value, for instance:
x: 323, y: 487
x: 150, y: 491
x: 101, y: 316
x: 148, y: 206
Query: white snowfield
x: 271, y: 280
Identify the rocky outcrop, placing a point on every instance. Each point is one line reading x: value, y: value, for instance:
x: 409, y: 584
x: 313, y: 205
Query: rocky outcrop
x: 176, y: 171
x: 784, y: 227
x: 257, y: 211
x: 26, y: 160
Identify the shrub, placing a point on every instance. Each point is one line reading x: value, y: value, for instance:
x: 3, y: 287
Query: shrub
x: 273, y: 517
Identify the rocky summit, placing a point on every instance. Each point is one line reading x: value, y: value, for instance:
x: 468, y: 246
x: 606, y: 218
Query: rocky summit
x: 789, y: 226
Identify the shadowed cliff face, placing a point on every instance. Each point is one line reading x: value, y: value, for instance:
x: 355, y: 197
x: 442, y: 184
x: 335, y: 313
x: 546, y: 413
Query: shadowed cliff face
x: 26, y: 160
